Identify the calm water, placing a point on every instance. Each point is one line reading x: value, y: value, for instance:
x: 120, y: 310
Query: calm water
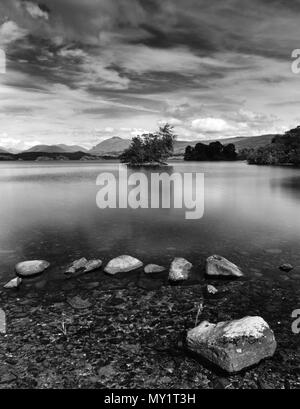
x: 48, y: 210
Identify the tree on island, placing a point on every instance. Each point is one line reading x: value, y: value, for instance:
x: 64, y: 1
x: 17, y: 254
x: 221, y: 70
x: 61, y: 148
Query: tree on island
x: 215, y: 151
x: 151, y: 148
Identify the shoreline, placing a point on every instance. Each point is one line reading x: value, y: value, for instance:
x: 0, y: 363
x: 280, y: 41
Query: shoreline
x: 132, y: 333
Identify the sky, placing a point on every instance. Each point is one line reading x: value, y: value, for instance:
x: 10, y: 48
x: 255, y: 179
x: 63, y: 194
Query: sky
x: 78, y: 72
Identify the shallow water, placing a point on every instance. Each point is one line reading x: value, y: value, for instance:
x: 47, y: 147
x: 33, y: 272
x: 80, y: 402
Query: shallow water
x: 49, y: 211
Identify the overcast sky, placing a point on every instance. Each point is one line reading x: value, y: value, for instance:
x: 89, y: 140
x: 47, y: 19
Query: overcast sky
x: 80, y: 71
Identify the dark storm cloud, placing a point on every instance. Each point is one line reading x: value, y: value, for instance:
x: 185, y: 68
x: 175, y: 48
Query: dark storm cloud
x: 197, y: 62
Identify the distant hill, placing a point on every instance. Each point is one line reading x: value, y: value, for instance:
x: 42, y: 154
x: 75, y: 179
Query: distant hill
x: 249, y: 141
x: 115, y: 146
x: 72, y: 148
x: 2, y: 150
x: 47, y: 156
x: 240, y: 143
x: 61, y: 148
x: 111, y: 146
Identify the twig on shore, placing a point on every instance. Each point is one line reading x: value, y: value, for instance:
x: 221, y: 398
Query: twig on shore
x: 200, y: 309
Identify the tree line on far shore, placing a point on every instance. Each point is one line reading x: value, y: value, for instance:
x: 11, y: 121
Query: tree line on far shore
x: 155, y: 148
x: 215, y: 151
x: 283, y: 150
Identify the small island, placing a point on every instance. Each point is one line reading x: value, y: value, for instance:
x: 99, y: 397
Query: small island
x: 152, y: 149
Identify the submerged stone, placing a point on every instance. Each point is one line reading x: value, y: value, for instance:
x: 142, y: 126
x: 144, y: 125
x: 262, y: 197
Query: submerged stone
x: 123, y: 264
x: 211, y: 289
x: 31, y: 268
x: 273, y: 251
x: 78, y: 303
x: 233, y: 345
x: 286, y: 267
x: 220, y: 266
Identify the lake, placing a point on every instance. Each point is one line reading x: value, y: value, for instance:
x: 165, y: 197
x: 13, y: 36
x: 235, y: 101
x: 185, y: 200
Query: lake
x: 49, y: 211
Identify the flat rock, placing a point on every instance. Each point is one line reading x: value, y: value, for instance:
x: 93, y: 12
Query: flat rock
x: 180, y: 269
x: 31, y: 268
x: 153, y: 268
x: 122, y: 264
x: 83, y: 266
x: 92, y: 265
x: 2, y: 322
x: 77, y: 265
x: 233, y: 345
x: 14, y: 283
x: 220, y: 266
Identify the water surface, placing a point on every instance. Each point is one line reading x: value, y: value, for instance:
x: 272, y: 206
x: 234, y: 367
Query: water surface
x: 48, y: 211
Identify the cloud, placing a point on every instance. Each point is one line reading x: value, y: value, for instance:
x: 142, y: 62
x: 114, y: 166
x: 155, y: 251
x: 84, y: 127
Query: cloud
x: 170, y: 121
x: 90, y: 70
x: 36, y: 10
x: 212, y: 69
x: 10, y: 32
x: 142, y: 59
x: 211, y: 125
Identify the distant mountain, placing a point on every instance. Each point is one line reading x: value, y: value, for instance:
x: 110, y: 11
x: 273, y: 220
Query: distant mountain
x: 111, y: 146
x: 115, y: 146
x: 72, y: 148
x: 2, y: 150
x: 249, y: 141
x: 61, y: 148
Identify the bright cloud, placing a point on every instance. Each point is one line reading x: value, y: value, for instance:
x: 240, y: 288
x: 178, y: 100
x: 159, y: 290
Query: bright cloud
x: 35, y: 10
x: 10, y: 32
x: 211, y: 125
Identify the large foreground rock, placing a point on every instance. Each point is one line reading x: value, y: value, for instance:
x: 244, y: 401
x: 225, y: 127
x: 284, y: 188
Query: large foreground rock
x: 31, y: 268
x: 220, y: 266
x: 180, y: 269
x: 122, y: 264
x: 233, y: 345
